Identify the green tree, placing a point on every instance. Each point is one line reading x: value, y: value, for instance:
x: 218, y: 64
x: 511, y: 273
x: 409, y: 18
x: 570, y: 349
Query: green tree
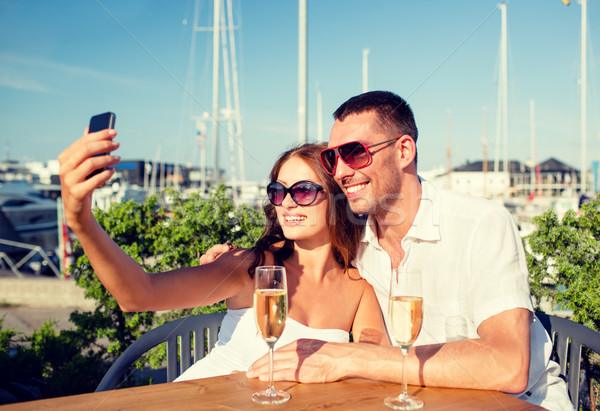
x: 47, y: 364
x: 564, y: 266
x: 564, y: 261
x: 163, y: 233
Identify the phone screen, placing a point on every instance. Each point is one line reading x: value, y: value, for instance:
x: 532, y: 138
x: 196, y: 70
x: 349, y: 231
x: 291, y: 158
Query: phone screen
x: 101, y: 122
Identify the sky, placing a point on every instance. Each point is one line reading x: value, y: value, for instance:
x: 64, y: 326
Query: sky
x: 63, y: 61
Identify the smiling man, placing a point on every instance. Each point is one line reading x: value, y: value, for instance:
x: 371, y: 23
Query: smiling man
x: 479, y: 330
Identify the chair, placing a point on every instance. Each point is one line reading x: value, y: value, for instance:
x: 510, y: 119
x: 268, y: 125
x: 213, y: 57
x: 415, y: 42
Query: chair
x: 169, y: 333
x: 567, y: 338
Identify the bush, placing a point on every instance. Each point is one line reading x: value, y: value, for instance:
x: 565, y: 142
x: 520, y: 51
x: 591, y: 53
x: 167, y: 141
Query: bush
x: 163, y: 233
x: 564, y: 266
x: 564, y: 262
x: 47, y: 364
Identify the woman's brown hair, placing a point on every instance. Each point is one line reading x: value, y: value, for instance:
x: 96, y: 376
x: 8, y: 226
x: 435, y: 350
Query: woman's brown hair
x: 345, y: 227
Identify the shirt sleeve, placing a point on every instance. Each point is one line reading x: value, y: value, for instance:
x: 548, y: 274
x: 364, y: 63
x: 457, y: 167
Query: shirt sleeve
x: 498, y: 268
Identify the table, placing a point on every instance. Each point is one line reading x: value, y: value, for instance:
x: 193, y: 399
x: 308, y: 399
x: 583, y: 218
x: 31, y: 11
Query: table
x: 232, y: 392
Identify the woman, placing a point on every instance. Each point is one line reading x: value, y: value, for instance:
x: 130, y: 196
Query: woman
x: 326, y: 296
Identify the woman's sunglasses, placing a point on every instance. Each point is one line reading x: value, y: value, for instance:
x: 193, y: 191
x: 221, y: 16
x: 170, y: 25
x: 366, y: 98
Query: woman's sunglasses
x: 303, y: 192
x: 354, y: 154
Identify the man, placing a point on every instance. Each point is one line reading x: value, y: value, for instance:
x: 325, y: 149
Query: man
x: 478, y: 329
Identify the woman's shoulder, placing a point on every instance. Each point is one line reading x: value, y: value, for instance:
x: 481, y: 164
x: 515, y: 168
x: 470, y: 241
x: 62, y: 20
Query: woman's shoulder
x: 361, y: 283
x: 270, y: 256
x: 272, y: 252
x: 354, y: 274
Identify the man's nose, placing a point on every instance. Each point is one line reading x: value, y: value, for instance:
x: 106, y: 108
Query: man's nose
x: 342, y: 170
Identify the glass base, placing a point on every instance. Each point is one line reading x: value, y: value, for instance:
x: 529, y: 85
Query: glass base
x: 404, y: 402
x: 271, y: 397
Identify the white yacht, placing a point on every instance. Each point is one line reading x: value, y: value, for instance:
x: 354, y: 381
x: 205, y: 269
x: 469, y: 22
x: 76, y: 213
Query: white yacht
x: 32, y: 216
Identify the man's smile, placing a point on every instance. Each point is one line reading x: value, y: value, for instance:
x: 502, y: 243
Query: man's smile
x: 355, y: 188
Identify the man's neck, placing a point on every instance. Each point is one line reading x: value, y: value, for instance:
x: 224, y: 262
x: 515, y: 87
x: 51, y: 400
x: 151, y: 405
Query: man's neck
x: 393, y: 224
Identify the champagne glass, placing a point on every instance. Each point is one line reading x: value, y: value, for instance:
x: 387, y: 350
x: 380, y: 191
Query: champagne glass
x: 405, y: 316
x: 270, y: 310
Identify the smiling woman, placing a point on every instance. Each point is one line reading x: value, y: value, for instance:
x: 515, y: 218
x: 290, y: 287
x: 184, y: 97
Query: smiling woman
x: 316, y: 253
x: 309, y: 230
x: 344, y: 226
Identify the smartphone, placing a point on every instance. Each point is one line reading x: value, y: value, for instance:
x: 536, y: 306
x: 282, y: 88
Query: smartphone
x: 101, y: 122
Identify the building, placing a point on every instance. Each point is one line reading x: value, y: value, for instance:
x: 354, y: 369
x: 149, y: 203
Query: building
x: 552, y: 178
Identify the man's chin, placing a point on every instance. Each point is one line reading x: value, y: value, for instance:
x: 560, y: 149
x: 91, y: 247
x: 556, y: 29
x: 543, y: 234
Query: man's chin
x: 362, y: 206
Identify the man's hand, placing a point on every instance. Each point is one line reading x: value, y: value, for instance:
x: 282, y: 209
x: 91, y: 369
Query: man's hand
x: 215, y: 252
x: 498, y: 360
x: 304, y: 360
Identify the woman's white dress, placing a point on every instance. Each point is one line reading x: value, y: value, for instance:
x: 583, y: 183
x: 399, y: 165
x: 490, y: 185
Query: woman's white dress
x: 239, y: 344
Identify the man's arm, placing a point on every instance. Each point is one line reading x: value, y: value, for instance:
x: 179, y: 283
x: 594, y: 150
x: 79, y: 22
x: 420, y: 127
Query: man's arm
x: 215, y: 252
x: 498, y: 360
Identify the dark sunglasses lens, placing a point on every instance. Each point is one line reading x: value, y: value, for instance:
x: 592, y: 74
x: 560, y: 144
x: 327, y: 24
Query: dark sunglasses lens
x: 328, y: 159
x: 354, y: 154
x: 276, y: 193
x: 304, y: 193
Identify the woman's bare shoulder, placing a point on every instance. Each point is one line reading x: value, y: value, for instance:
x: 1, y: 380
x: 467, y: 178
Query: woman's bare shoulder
x: 354, y: 274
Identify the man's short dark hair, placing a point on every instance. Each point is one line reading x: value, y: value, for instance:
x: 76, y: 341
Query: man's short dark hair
x: 393, y: 112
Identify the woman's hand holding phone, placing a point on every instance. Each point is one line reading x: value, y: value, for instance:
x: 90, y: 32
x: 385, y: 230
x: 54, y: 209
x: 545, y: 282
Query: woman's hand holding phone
x: 90, y: 153
x: 98, y: 123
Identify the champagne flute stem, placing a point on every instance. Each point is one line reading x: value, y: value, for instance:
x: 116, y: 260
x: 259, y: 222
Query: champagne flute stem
x: 271, y: 388
x: 404, y: 382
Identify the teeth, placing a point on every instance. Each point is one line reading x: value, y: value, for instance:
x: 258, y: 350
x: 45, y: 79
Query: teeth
x: 294, y: 218
x: 354, y: 189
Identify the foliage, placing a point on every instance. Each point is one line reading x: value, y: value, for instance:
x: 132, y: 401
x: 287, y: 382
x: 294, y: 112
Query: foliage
x: 564, y: 266
x: 163, y: 233
x: 47, y: 364
x: 564, y: 261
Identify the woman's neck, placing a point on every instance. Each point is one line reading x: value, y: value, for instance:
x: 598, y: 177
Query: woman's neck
x: 315, y: 259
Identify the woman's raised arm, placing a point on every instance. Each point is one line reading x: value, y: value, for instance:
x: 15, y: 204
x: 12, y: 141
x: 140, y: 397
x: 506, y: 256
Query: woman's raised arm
x: 132, y: 287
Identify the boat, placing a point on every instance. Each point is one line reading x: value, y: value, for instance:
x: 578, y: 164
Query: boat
x: 32, y: 216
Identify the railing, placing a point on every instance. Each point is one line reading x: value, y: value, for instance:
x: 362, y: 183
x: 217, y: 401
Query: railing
x: 5, y: 259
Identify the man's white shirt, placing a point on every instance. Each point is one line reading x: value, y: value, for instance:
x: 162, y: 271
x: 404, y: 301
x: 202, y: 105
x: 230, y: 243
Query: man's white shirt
x: 473, y: 267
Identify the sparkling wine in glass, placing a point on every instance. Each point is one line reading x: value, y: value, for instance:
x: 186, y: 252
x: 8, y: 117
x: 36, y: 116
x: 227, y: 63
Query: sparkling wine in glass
x: 270, y: 310
x: 406, y: 317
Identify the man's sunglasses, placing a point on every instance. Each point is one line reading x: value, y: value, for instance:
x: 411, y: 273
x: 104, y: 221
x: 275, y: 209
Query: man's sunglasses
x: 303, y: 192
x: 354, y: 154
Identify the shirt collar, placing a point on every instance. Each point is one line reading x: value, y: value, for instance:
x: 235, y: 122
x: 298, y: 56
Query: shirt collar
x: 426, y: 225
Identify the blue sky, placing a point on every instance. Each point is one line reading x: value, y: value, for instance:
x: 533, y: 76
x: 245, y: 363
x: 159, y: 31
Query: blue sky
x: 62, y: 61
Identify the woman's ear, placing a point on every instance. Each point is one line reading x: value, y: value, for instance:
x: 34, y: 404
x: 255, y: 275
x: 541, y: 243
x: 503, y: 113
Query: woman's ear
x: 407, y: 151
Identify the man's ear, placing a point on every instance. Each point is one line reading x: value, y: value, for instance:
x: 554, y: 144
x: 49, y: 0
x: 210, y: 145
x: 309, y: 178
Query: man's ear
x: 407, y: 151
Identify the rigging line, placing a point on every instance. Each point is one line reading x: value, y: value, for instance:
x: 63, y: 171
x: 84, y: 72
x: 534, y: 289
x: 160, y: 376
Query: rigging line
x: 453, y: 51
x: 157, y: 61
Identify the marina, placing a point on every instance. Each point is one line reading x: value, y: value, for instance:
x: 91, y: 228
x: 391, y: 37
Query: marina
x: 217, y: 143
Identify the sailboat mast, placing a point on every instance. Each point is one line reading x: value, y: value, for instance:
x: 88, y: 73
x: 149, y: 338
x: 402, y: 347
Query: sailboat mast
x: 215, y: 87
x: 583, y: 94
x: 504, y: 82
x: 484, y: 143
x: 319, y: 115
x: 449, y: 149
x: 236, y: 93
x: 228, y: 114
x: 502, y: 107
x: 365, y: 72
x: 302, y: 76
